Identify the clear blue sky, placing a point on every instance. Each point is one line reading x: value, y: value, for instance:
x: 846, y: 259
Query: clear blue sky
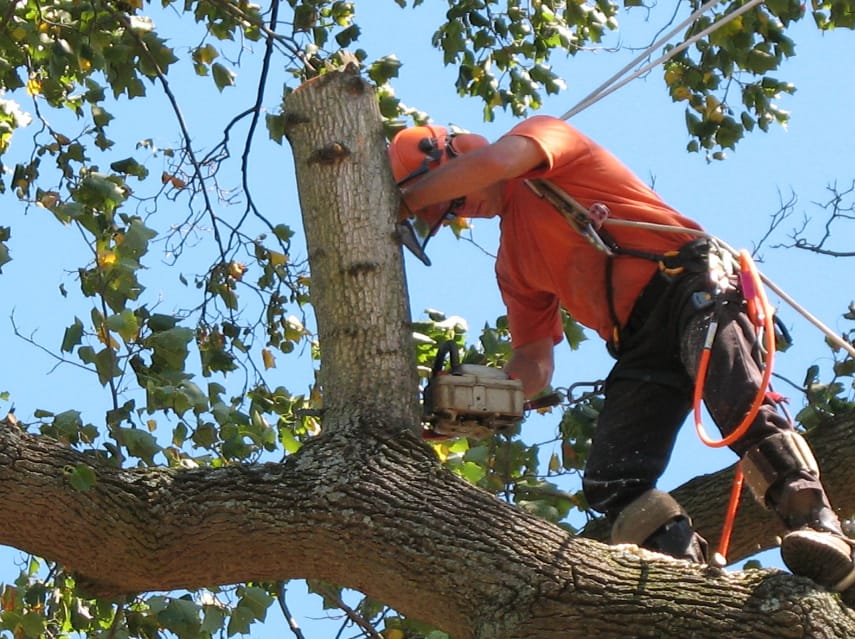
x: 639, y: 123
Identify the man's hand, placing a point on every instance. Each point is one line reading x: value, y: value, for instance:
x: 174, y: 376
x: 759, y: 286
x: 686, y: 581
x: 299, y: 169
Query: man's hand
x: 533, y: 365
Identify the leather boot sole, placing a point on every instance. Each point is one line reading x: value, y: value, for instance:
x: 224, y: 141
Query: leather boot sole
x: 823, y: 557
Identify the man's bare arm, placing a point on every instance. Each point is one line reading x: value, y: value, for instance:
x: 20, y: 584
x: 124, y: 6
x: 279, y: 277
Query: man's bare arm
x: 507, y: 158
x: 532, y: 364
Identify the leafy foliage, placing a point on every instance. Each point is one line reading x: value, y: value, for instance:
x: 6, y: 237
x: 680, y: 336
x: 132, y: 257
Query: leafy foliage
x: 189, y: 387
x: 525, y: 474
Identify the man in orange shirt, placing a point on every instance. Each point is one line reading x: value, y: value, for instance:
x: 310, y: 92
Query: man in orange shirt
x: 647, y: 289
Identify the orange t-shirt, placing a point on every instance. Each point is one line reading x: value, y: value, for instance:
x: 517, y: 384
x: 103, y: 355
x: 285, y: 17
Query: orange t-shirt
x: 544, y: 264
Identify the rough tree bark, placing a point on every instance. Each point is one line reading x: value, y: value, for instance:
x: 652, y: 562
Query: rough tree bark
x: 365, y: 504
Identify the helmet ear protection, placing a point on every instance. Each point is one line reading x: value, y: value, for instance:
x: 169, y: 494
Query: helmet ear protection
x: 412, y: 153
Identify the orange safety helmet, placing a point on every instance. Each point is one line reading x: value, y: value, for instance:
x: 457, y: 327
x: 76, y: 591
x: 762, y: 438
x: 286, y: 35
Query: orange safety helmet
x: 415, y: 151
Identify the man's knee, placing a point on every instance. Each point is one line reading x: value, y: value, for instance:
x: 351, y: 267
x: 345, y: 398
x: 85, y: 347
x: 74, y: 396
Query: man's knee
x: 644, y: 516
x: 610, y: 496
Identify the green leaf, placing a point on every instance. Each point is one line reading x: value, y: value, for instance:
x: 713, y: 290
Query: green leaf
x: 283, y: 232
x: 159, y: 322
x: 471, y: 472
x: 130, y: 166
x: 170, y: 347
x: 5, y: 234
x: 305, y: 17
x: 81, y: 477
x: 100, y: 192
x: 257, y: 600
x: 139, y: 443
x: 573, y: 331
x: 275, y: 126
x: 68, y: 427
x: 347, y: 36
x: 384, y: 69
x: 760, y: 61
x: 125, y: 324
x: 134, y: 243
x: 73, y: 335
x: 205, y: 435
x: 240, y: 621
x: 223, y: 76
x: 181, y: 616
x: 106, y: 365
x: 213, y: 619
x: 33, y: 624
x: 100, y: 117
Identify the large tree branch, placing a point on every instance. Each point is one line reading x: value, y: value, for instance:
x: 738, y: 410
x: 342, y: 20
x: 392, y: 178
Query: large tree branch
x: 380, y: 516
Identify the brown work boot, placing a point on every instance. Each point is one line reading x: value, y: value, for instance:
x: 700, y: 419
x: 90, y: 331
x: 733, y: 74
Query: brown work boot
x: 824, y: 557
x: 678, y: 539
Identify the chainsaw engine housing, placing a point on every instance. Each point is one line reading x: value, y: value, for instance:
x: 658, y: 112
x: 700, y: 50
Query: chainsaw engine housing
x: 473, y: 401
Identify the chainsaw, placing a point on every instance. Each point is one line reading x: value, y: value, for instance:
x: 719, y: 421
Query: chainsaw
x: 469, y: 400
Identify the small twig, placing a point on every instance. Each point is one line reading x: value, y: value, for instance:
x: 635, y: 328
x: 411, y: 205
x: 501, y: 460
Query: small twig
x: 354, y: 616
x: 59, y: 359
x: 292, y: 623
x: 185, y: 132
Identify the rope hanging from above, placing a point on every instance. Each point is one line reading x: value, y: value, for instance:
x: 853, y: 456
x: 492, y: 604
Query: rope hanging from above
x: 609, y: 87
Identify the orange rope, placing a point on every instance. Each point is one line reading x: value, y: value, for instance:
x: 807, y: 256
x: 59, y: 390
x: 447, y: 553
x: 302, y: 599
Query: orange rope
x: 730, y: 515
x: 761, y: 315
x: 759, y: 309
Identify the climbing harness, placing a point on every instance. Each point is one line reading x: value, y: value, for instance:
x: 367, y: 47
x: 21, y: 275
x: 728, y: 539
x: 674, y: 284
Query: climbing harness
x: 590, y: 223
x: 723, y: 263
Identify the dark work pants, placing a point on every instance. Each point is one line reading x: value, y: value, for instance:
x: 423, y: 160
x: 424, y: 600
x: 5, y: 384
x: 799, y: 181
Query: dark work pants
x: 648, y: 393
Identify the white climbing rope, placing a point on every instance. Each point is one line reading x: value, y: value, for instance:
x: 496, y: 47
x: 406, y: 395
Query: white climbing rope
x: 608, y: 87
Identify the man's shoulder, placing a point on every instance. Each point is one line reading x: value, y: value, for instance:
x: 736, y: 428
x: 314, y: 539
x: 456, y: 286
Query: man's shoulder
x: 544, y: 125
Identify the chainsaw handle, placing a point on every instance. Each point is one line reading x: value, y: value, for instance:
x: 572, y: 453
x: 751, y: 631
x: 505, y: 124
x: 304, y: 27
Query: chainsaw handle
x: 448, y: 349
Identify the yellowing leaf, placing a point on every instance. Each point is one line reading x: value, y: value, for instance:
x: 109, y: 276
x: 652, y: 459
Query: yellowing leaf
x: 441, y: 450
x: 106, y: 338
x: 236, y: 270
x: 49, y: 199
x: 394, y: 633
x: 269, y: 360
x: 8, y: 598
x: 34, y: 86
x: 277, y: 259
x: 206, y: 54
x: 107, y: 258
